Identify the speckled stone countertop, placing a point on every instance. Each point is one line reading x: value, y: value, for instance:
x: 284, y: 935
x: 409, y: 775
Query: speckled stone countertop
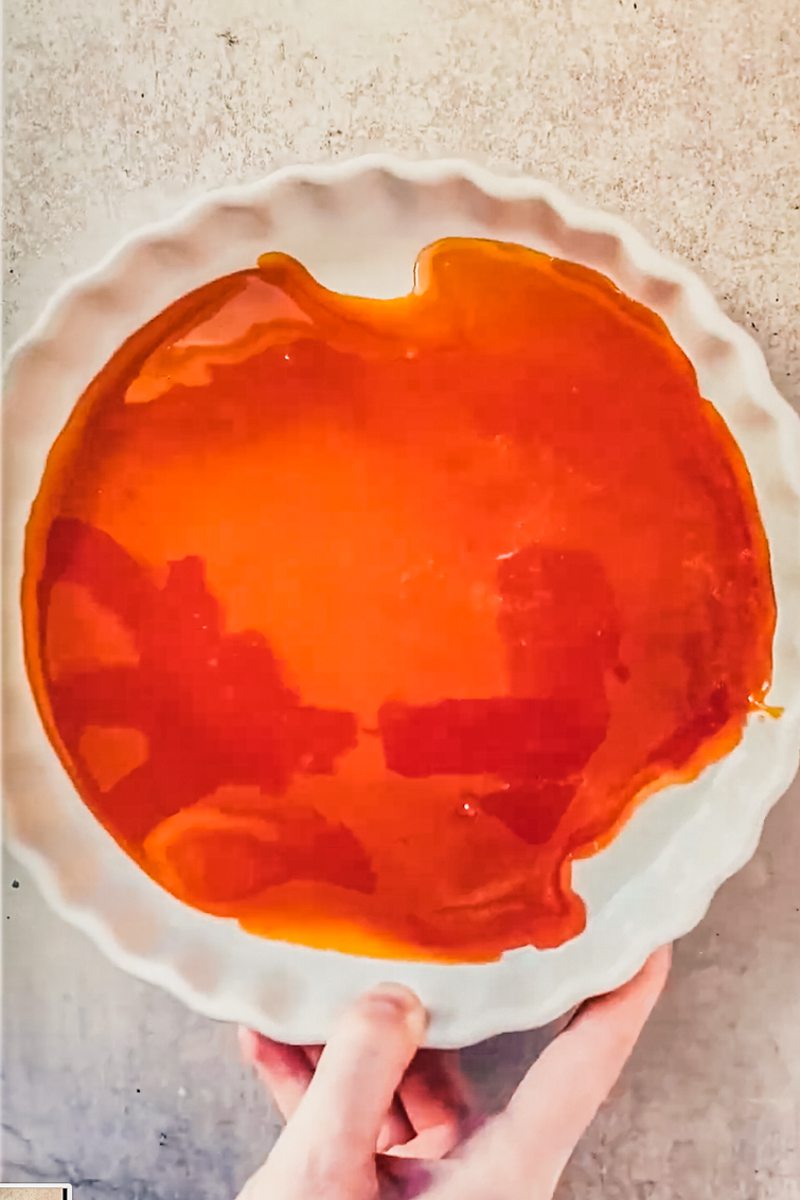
x: 683, y: 116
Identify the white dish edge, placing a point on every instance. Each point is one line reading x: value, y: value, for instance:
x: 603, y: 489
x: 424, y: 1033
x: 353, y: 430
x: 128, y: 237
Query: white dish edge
x: 292, y: 992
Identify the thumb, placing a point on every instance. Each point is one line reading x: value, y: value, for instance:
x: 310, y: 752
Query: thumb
x: 346, y: 1103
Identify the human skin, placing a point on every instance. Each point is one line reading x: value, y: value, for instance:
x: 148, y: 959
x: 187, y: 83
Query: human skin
x: 373, y: 1117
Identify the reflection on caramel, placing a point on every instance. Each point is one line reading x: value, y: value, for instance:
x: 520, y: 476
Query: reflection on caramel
x: 392, y: 609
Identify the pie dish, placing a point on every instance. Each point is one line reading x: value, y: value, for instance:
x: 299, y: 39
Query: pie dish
x: 358, y: 227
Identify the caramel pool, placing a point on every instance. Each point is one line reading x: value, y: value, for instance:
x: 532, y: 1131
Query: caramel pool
x: 360, y: 620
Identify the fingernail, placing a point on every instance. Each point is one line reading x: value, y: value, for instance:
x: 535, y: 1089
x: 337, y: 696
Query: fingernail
x: 404, y: 1002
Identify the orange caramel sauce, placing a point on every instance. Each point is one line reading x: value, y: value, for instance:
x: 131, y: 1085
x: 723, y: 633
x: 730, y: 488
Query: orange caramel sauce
x: 360, y: 620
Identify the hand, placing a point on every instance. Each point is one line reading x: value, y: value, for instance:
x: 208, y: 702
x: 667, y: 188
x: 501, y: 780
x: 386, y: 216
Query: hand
x: 372, y: 1117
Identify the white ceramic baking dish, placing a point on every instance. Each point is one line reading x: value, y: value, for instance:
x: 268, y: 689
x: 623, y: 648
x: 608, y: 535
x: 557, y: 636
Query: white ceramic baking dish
x: 358, y: 226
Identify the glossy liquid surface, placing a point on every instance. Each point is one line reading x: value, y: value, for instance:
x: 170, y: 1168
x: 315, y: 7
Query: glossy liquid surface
x: 359, y: 620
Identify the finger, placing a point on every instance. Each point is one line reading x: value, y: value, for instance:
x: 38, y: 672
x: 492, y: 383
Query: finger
x: 358, y: 1072
x: 525, y: 1150
x: 436, y: 1098
x: 396, y: 1129
x: 285, y: 1071
x: 593, y: 1049
x: 562, y: 1092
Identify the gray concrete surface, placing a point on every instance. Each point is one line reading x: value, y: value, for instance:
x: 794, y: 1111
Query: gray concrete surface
x: 682, y: 115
